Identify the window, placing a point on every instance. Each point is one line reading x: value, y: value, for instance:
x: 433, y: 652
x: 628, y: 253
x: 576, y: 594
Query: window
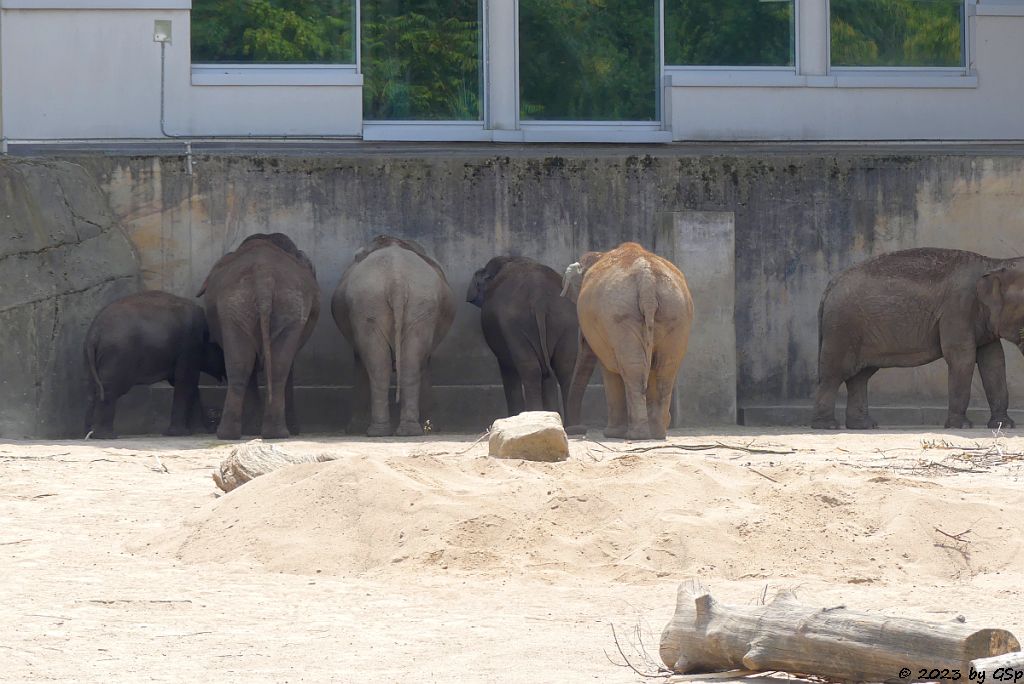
x: 897, y: 33
x: 273, y: 31
x: 588, y: 60
x: 729, y: 33
x: 421, y: 59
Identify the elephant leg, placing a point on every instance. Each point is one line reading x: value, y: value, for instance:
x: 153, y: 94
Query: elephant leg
x: 415, y: 352
x: 375, y: 351
x: 283, y: 349
x: 549, y: 394
x: 239, y: 361
x: 426, y: 390
x: 961, y: 359
x: 660, y: 385
x: 291, y: 416
x: 103, y: 413
x: 634, y: 380
x: 992, y: 367
x: 562, y: 364
x: 583, y: 368
x: 533, y: 391
x: 186, y: 395
x: 615, y: 397
x: 830, y: 377
x: 252, y: 415
x: 513, y: 389
x: 857, y: 415
x: 359, y: 418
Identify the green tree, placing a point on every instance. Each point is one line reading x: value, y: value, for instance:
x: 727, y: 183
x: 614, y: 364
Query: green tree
x: 421, y: 59
x: 593, y: 60
x: 729, y: 32
x: 897, y: 33
x: 273, y: 31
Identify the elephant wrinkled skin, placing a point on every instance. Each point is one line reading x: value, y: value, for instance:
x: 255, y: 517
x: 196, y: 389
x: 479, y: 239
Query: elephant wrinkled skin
x: 145, y: 338
x: 394, y: 306
x: 262, y: 302
x: 635, y: 314
x: 909, y: 308
x: 531, y: 329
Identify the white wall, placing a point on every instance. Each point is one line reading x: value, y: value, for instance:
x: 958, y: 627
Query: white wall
x: 95, y: 73
x: 84, y: 69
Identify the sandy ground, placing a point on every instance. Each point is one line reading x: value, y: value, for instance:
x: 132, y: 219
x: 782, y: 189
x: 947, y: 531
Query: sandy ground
x: 424, y: 560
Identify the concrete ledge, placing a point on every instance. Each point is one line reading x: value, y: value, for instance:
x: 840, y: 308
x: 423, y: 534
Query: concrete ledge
x: 800, y: 415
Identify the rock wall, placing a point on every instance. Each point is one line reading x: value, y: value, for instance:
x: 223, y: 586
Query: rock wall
x: 62, y: 258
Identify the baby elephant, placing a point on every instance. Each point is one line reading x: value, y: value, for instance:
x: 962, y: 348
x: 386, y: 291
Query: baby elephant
x: 145, y: 338
x: 531, y: 329
x: 909, y: 308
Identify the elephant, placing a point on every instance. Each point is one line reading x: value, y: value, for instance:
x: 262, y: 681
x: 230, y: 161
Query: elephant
x: 145, y: 338
x: 262, y: 303
x: 908, y: 308
x: 635, y: 314
x: 531, y: 329
x: 394, y: 306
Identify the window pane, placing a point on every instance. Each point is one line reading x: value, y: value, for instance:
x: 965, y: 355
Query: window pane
x: 421, y: 59
x: 905, y: 33
x: 729, y: 32
x: 588, y: 60
x: 273, y: 31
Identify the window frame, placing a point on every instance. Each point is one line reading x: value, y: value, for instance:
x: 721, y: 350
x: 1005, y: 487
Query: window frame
x: 907, y: 76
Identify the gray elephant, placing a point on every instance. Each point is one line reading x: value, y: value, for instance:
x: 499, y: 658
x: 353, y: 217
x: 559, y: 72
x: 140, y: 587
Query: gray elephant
x: 262, y: 302
x: 145, y: 338
x: 394, y: 306
x: 635, y: 313
x: 909, y: 308
x: 531, y: 329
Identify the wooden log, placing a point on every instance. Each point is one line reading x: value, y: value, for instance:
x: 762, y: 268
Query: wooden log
x: 705, y: 636
x: 1002, y: 668
x: 252, y: 459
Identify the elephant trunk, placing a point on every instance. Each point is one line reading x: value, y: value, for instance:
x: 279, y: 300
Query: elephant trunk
x: 584, y: 368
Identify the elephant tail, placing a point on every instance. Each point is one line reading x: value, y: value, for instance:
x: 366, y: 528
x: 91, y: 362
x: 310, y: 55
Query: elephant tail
x: 542, y: 332
x: 398, y: 303
x: 264, y: 298
x: 90, y: 360
x: 647, y: 298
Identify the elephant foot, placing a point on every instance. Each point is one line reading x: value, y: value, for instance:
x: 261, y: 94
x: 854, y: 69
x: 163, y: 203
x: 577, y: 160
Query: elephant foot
x: 825, y: 423
x: 958, y: 423
x: 865, y: 423
x: 229, y: 433
x: 177, y: 431
x: 275, y: 433
x: 641, y: 435
x: 409, y: 430
x: 102, y: 433
x: 1005, y: 423
x: 379, y: 430
x: 615, y: 432
x: 576, y: 430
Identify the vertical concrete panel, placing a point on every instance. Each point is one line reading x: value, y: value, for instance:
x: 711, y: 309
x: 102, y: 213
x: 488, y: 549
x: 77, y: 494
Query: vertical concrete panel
x: 704, y: 249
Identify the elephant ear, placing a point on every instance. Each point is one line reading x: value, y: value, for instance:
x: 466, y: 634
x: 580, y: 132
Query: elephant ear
x: 990, y: 293
x: 571, y: 281
x: 202, y: 290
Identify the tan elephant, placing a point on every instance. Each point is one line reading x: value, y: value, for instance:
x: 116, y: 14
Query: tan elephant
x: 635, y: 313
x: 394, y: 306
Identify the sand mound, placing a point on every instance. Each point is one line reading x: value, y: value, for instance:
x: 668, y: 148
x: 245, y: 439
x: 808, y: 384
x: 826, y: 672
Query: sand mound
x: 627, y: 517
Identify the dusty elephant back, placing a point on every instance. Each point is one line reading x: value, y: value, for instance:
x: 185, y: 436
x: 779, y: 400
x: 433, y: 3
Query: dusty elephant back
x: 387, y: 279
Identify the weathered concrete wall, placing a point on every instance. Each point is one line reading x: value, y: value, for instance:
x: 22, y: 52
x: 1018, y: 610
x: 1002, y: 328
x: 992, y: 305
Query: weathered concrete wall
x: 798, y: 219
x: 62, y: 258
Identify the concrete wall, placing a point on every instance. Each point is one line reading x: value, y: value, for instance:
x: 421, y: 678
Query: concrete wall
x: 792, y: 218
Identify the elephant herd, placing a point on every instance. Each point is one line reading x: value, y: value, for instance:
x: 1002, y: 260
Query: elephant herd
x: 627, y: 308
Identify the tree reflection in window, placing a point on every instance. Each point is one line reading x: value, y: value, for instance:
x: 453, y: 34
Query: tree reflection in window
x: 897, y: 33
x: 273, y: 31
x: 729, y: 32
x: 421, y: 59
x: 588, y: 60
